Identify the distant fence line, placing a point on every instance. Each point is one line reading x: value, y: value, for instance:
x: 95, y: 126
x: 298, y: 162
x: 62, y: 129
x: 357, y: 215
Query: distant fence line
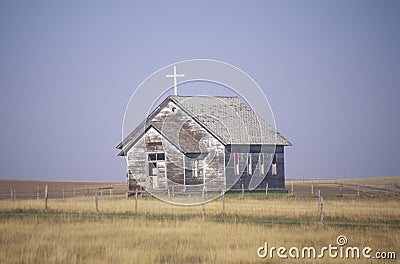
x: 59, y: 192
x: 338, y: 188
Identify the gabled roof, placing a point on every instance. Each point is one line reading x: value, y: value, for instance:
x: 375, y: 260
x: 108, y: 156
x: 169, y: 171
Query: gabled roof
x: 229, y: 119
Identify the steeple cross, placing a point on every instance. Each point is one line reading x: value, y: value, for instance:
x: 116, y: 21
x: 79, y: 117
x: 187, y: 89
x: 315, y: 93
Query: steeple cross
x: 175, y: 76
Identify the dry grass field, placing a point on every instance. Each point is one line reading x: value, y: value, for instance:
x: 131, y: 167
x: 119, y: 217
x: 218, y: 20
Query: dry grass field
x: 57, y: 189
x: 70, y: 232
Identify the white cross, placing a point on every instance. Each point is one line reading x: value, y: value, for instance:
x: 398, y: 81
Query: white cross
x: 175, y: 79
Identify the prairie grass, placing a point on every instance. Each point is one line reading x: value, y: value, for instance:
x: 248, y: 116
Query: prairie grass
x: 352, y: 209
x: 69, y: 231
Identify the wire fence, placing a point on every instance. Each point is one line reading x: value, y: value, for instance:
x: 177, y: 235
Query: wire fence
x: 59, y: 190
x: 342, y: 189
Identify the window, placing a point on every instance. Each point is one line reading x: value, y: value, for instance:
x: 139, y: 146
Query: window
x: 156, y: 163
x: 194, y: 171
x: 262, y: 170
x: 196, y: 168
x: 156, y: 156
x: 155, y: 160
x: 274, y: 166
x: 249, y: 165
x: 236, y: 160
x: 153, y: 156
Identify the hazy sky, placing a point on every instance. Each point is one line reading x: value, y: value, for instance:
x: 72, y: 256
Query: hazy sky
x: 330, y: 69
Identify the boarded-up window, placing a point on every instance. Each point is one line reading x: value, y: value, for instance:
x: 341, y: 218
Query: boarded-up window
x: 249, y: 165
x: 274, y: 166
x: 196, y: 168
x: 236, y: 160
x: 262, y: 169
x: 193, y: 169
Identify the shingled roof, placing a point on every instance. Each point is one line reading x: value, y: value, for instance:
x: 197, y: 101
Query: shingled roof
x: 229, y: 119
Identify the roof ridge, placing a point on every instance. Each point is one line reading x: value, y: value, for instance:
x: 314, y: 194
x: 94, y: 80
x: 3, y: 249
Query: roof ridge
x: 218, y: 96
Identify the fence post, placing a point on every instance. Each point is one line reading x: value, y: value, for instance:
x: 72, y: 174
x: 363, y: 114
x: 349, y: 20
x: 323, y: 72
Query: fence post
x: 341, y: 189
x: 292, y: 190
x: 358, y: 189
x: 46, y: 195
x: 63, y: 193
x: 319, y: 199
x: 321, y: 216
x: 203, y: 209
x: 320, y: 207
x: 12, y: 195
x: 15, y: 195
x: 136, y: 196
x: 242, y: 191
x: 266, y: 190
x: 111, y: 190
x: 312, y: 189
x: 97, y: 205
x: 37, y: 193
x: 74, y: 192
x: 101, y: 192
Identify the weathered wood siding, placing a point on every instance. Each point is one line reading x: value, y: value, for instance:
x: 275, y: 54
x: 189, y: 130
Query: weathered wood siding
x: 257, y: 154
x: 192, y: 139
x: 276, y: 181
x: 175, y: 130
x: 136, y: 163
x: 137, y: 156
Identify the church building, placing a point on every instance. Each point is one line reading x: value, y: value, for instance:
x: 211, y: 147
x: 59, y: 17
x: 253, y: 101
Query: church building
x: 217, y: 143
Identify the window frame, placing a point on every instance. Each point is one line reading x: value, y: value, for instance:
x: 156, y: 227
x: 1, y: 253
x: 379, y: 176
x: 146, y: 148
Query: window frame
x: 159, y: 157
x: 274, y: 170
x: 236, y: 161
x: 262, y: 166
x: 249, y: 165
